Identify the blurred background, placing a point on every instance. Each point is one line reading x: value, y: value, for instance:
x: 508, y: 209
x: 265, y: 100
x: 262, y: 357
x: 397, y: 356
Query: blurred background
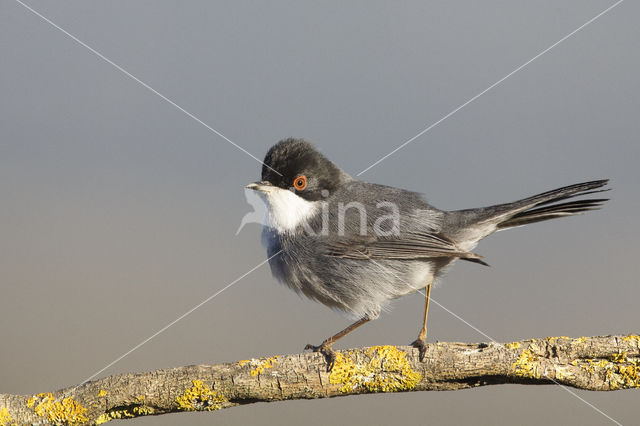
x: 118, y: 212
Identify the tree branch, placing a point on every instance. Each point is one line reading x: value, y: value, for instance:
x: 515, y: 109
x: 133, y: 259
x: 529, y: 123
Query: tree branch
x: 593, y: 363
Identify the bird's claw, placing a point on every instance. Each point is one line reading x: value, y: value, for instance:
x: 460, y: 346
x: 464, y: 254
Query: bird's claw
x: 327, y: 351
x: 422, y: 347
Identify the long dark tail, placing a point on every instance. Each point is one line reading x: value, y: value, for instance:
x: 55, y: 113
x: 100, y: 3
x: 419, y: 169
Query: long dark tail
x: 467, y: 227
x: 545, y: 206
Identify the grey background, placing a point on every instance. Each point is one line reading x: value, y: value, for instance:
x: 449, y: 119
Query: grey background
x: 118, y: 212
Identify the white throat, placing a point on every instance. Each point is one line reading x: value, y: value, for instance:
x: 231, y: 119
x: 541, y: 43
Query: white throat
x: 285, y: 210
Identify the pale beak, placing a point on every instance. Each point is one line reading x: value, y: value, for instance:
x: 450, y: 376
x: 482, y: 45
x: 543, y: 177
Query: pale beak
x: 263, y: 186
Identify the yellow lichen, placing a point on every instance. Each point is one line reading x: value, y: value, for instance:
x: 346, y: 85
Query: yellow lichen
x: 593, y: 365
x: 243, y: 362
x: 103, y: 418
x: 66, y: 412
x: 125, y: 413
x: 5, y: 418
x: 527, y: 365
x: 619, y: 371
x: 623, y: 372
x: 268, y: 363
x: 343, y: 372
x: 512, y: 345
x: 114, y: 415
x: 136, y: 409
x: 143, y: 410
x: 386, y: 371
x: 200, y: 397
x: 620, y: 357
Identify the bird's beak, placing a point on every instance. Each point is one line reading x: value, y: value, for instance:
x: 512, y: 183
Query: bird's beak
x: 264, y: 186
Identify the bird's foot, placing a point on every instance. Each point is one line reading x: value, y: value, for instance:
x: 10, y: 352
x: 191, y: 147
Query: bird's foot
x: 421, y: 344
x: 326, y: 350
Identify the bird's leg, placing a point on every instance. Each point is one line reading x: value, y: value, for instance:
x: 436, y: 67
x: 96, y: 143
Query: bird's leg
x: 421, y: 341
x: 325, y: 347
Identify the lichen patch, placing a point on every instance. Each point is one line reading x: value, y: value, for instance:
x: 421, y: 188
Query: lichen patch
x: 65, y: 412
x: 527, y: 365
x: 5, y: 417
x: 268, y: 363
x: 387, y: 370
x: 619, y: 371
x: 200, y: 397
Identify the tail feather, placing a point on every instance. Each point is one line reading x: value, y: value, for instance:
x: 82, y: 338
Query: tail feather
x: 578, y: 194
x: 552, y: 211
x: 529, y: 210
x: 467, y: 227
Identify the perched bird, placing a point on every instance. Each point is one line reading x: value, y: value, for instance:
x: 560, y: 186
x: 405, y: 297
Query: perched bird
x: 354, y: 246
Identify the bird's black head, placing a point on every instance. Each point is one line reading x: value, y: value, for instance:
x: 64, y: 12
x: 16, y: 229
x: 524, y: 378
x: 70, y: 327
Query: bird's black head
x: 295, y: 164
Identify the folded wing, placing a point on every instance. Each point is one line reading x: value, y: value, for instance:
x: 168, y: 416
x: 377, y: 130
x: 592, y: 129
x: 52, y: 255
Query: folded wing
x: 408, y: 246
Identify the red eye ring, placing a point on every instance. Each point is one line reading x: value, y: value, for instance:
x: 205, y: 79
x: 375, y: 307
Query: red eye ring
x: 300, y: 183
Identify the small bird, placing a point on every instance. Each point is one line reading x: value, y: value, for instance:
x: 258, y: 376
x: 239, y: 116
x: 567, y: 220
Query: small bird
x: 355, y: 246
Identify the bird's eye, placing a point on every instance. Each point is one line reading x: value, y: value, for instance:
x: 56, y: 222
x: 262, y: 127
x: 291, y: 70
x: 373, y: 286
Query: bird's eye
x: 300, y: 182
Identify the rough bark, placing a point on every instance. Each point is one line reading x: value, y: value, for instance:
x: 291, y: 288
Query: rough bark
x: 595, y: 363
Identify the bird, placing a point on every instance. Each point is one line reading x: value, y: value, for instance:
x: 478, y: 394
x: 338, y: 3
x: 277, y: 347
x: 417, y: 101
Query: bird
x: 355, y: 246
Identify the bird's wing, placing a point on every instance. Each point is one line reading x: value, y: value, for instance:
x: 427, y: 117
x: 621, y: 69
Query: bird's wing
x: 408, y: 246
